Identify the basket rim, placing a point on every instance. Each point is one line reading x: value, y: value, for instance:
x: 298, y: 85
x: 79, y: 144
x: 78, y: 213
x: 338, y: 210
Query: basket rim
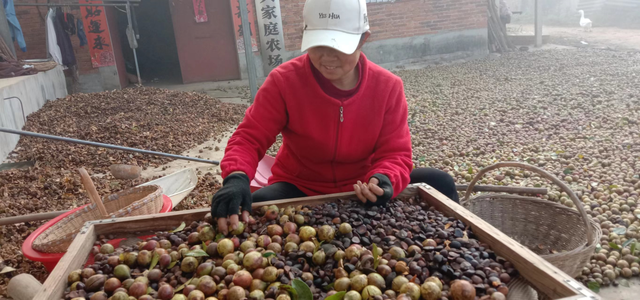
x: 545, y: 204
x: 516, y: 164
x: 40, y: 241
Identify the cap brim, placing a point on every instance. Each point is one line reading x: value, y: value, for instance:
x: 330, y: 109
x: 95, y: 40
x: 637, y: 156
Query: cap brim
x: 344, y: 42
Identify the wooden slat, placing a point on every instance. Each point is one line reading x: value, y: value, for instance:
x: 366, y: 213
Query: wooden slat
x: 74, y: 259
x: 150, y: 223
x: 532, y: 267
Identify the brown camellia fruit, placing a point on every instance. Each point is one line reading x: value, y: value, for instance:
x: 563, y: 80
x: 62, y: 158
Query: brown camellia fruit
x: 196, y: 295
x: 430, y: 291
x: 165, y: 292
x: 225, y: 246
x: 236, y: 293
x: 293, y: 238
x: 189, y: 265
x: 95, y: 283
x: 164, y: 261
x: 242, y: 278
x: 113, y: 261
x: 74, y: 276
x: 204, y: 269
x: 119, y: 296
x: 87, y: 272
x: 111, y: 285
x: 107, y: 249
x: 150, y: 245
x: 264, y: 241
x: 252, y: 260
x: 307, y: 233
x: 127, y: 283
x: 207, y: 287
x: 411, y: 289
x: 138, y: 289
x: 274, y: 230
x: 100, y: 296
x: 290, y: 227
x: 462, y: 290
x: 187, y: 289
x: 326, y: 233
x: 144, y: 258
x: 155, y: 275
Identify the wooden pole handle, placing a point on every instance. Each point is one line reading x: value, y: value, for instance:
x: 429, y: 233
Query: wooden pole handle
x: 93, y: 194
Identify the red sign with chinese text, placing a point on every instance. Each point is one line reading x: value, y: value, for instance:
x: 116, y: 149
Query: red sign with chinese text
x: 237, y: 25
x: 200, y: 11
x: 98, y: 36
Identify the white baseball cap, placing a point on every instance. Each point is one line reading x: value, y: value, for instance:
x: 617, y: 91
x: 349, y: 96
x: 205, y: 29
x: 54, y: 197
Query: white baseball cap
x: 338, y: 24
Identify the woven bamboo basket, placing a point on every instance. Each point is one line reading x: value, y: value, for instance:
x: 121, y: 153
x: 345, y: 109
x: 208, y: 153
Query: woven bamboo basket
x: 563, y: 236
x: 136, y: 201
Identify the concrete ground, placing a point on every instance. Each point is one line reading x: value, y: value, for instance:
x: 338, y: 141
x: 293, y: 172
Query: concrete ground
x: 599, y: 37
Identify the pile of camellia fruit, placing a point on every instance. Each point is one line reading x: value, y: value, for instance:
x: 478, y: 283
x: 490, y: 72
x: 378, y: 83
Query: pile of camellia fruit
x: 341, y: 250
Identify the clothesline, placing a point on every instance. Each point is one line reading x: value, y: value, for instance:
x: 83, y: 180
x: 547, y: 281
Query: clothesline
x: 76, y: 4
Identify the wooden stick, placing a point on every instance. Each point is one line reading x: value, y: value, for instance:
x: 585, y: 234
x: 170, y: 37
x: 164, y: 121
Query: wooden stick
x: 31, y: 217
x: 543, y: 275
x: 74, y: 259
x: 93, y: 194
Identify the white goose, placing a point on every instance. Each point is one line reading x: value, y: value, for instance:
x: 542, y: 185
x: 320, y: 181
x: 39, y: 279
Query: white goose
x: 584, y: 22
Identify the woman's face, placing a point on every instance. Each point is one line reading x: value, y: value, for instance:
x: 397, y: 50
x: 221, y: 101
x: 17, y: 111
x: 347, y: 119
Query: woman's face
x: 333, y: 64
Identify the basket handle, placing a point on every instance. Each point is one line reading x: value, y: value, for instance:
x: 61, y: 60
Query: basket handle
x: 93, y: 193
x: 543, y: 173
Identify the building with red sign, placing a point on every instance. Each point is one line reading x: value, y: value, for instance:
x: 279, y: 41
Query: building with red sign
x: 186, y: 41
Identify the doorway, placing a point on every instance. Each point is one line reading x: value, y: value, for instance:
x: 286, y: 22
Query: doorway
x: 157, y: 51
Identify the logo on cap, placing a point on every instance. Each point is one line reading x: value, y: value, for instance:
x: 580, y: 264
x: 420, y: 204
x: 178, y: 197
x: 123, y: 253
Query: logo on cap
x: 328, y: 16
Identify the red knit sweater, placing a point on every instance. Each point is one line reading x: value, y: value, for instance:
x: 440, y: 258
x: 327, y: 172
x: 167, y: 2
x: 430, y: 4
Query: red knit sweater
x: 328, y: 144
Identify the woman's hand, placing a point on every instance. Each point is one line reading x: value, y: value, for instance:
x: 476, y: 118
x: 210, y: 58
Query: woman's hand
x: 379, y: 190
x: 226, y: 203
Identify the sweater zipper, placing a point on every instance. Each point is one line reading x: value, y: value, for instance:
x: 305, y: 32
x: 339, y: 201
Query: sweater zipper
x: 335, y: 151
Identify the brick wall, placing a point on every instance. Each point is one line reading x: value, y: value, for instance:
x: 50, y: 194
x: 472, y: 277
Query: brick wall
x: 402, y: 18
x: 33, y: 28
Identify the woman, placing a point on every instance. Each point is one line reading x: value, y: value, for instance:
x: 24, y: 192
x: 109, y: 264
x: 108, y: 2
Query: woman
x: 343, y: 120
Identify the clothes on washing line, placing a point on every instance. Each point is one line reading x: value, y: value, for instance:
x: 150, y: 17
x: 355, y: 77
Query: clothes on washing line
x: 64, y: 42
x: 82, y: 36
x: 14, y: 25
x: 52, y: 39
x: 69, y: 24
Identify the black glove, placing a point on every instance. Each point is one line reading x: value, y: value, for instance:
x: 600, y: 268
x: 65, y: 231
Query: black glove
x: 235, y: 193
x: 385, y: 184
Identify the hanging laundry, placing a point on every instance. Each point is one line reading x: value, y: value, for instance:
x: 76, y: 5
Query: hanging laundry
x: 14, y: 25
x: 69, y: 24
x: 52, y: 40
x: 64, y: 42
x: 82, y: 36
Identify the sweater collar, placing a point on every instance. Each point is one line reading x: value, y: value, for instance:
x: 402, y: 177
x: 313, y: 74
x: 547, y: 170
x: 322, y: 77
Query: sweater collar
x: 318, y: 90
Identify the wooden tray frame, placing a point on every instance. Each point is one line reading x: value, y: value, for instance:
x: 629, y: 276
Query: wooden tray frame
x: 541, y: 274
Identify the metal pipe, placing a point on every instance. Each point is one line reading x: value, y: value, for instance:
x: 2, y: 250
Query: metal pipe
x: 21, y: 107
x: 109, y: 146
x: 248, y: 49
x: 135, y: 54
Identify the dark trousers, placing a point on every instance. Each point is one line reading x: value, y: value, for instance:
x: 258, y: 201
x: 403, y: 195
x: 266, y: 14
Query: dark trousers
x: 439, y: 180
